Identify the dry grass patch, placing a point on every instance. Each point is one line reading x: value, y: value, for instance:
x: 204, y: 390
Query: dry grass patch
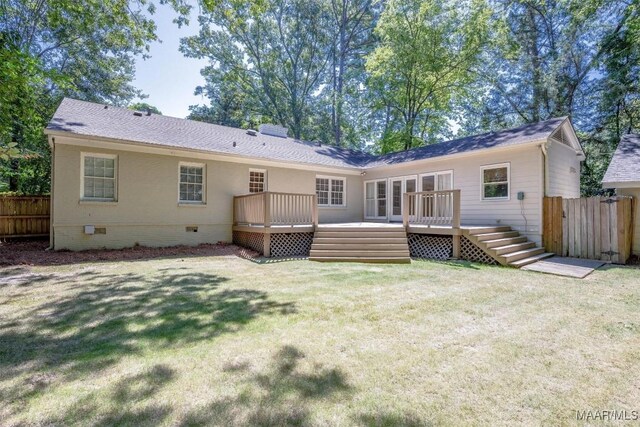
x: 226, y: 341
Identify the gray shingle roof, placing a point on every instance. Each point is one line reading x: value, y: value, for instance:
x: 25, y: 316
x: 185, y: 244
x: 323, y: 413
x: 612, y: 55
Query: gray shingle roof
x: 90, y: 119
x: 520, y: 135
x: 625, y: 164
x: 87, y: 118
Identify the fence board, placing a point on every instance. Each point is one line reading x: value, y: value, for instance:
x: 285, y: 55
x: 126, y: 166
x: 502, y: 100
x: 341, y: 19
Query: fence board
x: 594, y: 227
x: 565, y: 228
x: 24, y: 216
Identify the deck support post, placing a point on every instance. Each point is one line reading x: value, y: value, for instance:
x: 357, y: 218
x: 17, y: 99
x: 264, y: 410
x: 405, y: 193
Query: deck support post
x: 314, y: 212
x: 267, y: 224
x: 456, y: 246
x: 405, y: 211
x: 266, y: 249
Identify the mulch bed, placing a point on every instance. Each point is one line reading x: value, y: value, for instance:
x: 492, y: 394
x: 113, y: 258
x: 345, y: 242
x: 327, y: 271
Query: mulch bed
x: 33, y: 252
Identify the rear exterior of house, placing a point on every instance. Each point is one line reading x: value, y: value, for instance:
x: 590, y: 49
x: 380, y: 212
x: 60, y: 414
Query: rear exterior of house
x: 122, y: 178
x: 623, y: 175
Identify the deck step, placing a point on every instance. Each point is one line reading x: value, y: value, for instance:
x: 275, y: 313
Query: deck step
x: 526, y: 261
x: 518, y: 255
x: 358, y: 253
x: 493, y: 236
x: 484, y: 230
x: 360, y: 240
x: 350, y: 245
x: 381, y: 260
x: 364, y: 229
x: 360, y: 244
x: 370, y: 234
x: 503, y: 242
x: 501, y: 250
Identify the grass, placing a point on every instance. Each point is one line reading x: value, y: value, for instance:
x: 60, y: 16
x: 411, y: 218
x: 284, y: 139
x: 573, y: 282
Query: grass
x: 226, y: 341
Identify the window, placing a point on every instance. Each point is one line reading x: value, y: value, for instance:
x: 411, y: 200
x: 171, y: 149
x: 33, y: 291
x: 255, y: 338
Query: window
x: 376, y: 199
x: 98, y: 177
x: 495, y: 181
x: 191, y: 183
x: 330, y: 191
x: 257, y: 180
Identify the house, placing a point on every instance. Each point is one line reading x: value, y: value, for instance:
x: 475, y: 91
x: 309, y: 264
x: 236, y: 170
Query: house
x: 122, y: 178
x: 623, y: 175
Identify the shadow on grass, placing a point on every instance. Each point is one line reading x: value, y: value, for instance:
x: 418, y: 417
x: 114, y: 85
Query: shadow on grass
x: 279, y: 396
x: 392, y: 420
x: 456, y: 263
x: 99, y: 318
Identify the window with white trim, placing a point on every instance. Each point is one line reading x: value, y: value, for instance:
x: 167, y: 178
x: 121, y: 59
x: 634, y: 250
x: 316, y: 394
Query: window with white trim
x: 495, y: 181
x: 330, y: 191
x: 257, y: 180
x: 192, y: 179
x: 99, y: 177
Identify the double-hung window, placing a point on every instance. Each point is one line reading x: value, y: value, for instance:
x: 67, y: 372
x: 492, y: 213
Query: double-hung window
x: 192, y: 183
x: 495, y: 181
x: 99, y: 176
x: 257, y: 180
x: 330, y: 191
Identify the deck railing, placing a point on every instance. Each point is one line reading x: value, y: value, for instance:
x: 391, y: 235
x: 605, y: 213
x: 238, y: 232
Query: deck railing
x: 432, y: 208
x: 269, y: 208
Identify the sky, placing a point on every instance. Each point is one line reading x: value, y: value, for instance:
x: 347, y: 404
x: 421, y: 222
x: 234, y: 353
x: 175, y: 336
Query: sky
x: 168, y: 77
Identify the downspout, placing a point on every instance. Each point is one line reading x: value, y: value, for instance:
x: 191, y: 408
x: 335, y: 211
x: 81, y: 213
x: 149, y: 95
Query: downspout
x: 545, y: 169
x: 545, y: 184
x: 52, y: 144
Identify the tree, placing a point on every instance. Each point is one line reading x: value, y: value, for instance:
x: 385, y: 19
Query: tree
x: 276, y: 51
x: 143, y: 106
x: 353, y: 23
x: 65, y: 48
x: 422, y: 62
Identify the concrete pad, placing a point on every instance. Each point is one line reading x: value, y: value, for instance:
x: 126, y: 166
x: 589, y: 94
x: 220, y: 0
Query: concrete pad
x: 568, y: 267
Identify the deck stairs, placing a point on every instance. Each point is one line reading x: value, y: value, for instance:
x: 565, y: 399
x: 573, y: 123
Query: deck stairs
x: 360, y: 244
x: 505, y: 245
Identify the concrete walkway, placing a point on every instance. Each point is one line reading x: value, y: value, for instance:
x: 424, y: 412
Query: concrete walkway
x: 568, y: 267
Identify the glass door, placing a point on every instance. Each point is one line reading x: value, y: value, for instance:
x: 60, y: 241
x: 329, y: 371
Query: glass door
x: 396, y: 199
x: 375, y: 199
x: 399, y: 186
x: 432, y: 206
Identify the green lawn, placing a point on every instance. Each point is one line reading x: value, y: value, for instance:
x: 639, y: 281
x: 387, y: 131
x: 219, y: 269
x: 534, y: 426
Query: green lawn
x: 227, y: 341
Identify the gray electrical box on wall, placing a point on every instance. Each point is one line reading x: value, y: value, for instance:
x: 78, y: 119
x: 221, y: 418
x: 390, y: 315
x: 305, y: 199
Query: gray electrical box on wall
x: 520, y: 195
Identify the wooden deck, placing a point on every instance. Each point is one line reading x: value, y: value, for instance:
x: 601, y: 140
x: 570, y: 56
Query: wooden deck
x: 287, y: 224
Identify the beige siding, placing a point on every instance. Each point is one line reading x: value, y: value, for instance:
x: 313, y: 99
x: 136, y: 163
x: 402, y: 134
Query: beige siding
x: 563, y: 171
x: 526, y: 175
x: 147, y: 211
x: 635, y: 192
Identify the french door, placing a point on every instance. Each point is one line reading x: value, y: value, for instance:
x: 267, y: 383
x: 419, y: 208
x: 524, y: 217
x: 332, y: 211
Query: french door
x: 436, y: 181
x: 398, y: 186
x: 376, y: 199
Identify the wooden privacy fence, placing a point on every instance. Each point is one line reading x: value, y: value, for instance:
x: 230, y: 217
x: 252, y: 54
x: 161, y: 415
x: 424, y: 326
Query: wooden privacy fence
x: 24, y: 216
x: 589, y: 227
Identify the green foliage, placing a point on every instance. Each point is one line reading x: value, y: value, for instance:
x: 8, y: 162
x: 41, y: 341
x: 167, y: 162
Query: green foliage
x: 270, y: 56
x: 423, y: 62
x: 51, y: 49
x: 143, y: 106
